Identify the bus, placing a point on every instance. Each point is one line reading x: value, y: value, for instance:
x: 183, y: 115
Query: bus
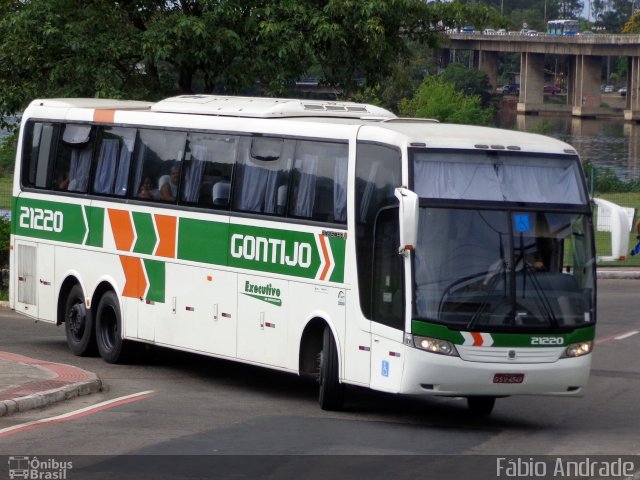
x: 563, y: 27
x: 326, y: 239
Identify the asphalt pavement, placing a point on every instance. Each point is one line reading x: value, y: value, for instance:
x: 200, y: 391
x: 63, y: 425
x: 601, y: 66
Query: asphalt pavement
x: 27, y: 383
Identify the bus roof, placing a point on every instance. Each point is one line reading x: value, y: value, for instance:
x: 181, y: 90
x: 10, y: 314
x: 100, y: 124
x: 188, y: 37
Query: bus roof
x: 375, y: 120
x: 262, y: 107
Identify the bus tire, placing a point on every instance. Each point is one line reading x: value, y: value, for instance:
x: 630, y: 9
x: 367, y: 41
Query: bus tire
x: 331, y: 396
x: 112, y: 348
x: 481, y: 406
x: 78, y: 324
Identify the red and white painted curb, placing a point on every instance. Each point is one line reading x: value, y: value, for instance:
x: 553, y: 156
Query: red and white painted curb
x: 59, y: 382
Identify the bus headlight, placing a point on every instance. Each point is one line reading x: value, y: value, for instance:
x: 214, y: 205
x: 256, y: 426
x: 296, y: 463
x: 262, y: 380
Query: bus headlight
x: 433, y: 345
x: 577, y: 349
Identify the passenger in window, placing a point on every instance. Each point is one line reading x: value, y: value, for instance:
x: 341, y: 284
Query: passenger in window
x: 148, y: 190
x: 169, y: 186
x: 63, y: 183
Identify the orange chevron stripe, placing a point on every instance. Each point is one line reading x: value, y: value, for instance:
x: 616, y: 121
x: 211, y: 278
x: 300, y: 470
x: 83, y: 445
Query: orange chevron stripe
x: 135, y: 281
x: 477, y: 339
x: 122, y: 228
x: 166, y: 226
x: 327, y: 259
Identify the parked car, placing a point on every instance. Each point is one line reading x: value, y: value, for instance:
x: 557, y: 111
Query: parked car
x: 552, y: 88
x: 623, y: 92
x: 512, y: 89
x: 489, y: 31
x: 608, y: 88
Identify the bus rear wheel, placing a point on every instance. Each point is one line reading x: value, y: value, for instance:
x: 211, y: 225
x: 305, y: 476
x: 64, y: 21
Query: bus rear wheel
x: 78, y: 324
x: 331, y: 396
x: 112, y: 347
x: 481, y: 406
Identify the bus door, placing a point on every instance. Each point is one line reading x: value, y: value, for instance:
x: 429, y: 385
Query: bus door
x: 35, y: 289
x: 387, y: 327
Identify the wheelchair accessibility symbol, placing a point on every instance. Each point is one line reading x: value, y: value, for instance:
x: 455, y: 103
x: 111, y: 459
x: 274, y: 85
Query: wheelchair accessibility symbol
x: 522, y: 222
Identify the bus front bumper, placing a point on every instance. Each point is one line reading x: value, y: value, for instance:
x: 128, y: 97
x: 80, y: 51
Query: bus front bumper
x: 432, y: 374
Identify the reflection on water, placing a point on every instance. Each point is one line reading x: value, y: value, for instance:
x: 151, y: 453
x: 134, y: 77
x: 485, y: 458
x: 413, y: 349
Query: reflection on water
x: 607, y: 143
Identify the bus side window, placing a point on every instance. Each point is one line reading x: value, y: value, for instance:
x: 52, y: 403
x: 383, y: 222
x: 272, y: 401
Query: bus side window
x: 113, y: 161
x: 38, y: 154
x: 73, y: 158
x: 377, y: 174
x: 208, y: 165
x: 261, y: 177
x: 388, y: 286
x: 158, y: 156
x: 319, y: 182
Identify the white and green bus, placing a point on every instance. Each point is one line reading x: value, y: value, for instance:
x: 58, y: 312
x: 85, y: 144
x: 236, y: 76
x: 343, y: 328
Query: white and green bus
x: 329, y: 239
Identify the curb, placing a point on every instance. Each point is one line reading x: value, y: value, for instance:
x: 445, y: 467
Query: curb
x: 62, y: 383
x: 618, y: 275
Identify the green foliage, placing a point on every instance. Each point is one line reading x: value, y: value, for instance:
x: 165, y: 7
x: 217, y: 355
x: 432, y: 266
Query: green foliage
x: 7, y: 154
x: 471, y: 81
x: 606, y: 181
x: 5, y: 233
x: 440, y: 100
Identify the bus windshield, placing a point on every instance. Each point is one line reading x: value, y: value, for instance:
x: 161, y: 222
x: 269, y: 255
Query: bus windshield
x: 504, y: 243
x: 502, y: 270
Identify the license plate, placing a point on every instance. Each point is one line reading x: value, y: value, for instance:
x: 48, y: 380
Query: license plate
x: 508, y: 378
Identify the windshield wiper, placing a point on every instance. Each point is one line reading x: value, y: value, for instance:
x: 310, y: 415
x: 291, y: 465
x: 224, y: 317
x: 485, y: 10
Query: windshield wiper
x: 542, y: 298
x: 491, y: 288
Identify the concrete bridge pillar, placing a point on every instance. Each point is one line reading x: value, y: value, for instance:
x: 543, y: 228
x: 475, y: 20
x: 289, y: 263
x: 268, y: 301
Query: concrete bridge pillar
x: 488, y: 63
x: 632, y: 110
x: 586, y: 77
x: 531, y: 82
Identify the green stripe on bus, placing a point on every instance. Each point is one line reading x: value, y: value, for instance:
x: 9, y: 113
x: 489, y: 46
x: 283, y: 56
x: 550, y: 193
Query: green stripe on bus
x: 442, y: 332
x: 95, y: 217
x: 145, y: 232
x: 62, y: 222
x: 202, y: 241
x: 156, y: 274
x: 338, y: 247
x: 275, y: 251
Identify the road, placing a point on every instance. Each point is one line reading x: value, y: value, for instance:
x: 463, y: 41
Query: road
x: 203, y: 406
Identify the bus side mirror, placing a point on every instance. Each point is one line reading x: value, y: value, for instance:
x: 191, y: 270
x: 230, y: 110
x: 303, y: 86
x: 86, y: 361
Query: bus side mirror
x: 409, y: 204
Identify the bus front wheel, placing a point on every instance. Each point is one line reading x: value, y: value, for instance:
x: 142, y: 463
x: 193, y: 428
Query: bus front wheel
x: 78, y: 324
x: 481, y: 405
x: 331, y: 395
x: 112, y: 348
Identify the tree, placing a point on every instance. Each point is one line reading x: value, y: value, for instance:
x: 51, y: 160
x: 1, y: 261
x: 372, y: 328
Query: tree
x: 440, y: 100
x: 471, y: 81
x: 633, y: 25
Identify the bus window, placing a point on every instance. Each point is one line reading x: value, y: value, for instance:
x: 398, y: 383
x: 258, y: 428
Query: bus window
x: 73, y: 159
x: 158, y: 159
x: 319, y: 182
x: 377, y: 175
x: 262, y: 175
x: 208, y: 165
x: 388, y: 285
x: 39, y: 151
x: 113, y: 161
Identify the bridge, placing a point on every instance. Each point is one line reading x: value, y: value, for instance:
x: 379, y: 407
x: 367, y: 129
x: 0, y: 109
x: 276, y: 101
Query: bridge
x: 585, y: 56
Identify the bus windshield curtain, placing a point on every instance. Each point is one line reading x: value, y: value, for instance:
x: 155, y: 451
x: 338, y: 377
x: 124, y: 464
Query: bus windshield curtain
x: 498, y: 179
